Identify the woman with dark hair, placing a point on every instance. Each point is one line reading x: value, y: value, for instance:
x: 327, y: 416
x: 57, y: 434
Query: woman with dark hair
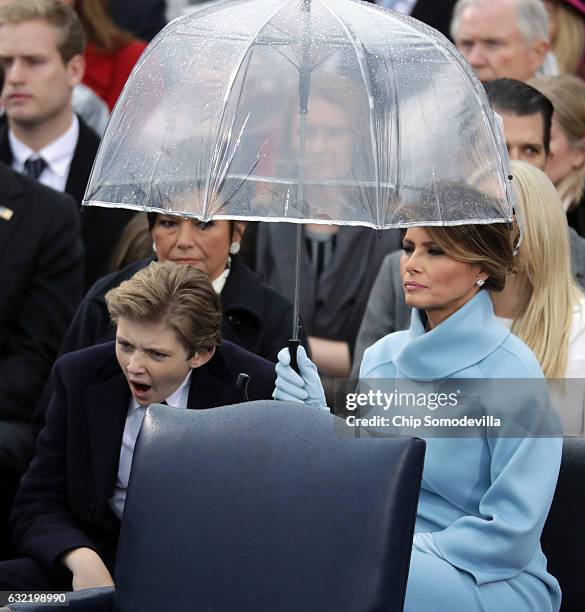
x: 254, y: 316
x: 111, y: 52
x: 484, y: 499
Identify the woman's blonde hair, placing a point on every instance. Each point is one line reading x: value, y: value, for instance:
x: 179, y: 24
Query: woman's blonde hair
x: 545, y: 261
x: 569, y: 41
x: 567, y: 93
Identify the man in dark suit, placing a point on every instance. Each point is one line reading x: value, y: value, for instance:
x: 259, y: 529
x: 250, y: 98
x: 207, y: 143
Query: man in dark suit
x: 41, y: 281
x: 67, y: 512
x: 41, y: 51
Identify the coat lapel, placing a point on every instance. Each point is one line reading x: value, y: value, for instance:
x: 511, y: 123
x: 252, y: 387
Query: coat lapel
x: 5, y: 150
x: 82, y: 161
x: 212, y: 385
x: 467, y: 336
x: 12, y: 204
x: 107, y: 406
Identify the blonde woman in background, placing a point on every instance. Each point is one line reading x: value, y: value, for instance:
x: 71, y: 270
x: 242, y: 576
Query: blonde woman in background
x: 541, y: 302
x: 567, y: 34
x: 566, y: 163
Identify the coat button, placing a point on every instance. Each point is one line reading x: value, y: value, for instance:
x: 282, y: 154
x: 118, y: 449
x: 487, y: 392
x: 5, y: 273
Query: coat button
x: 91, y: 512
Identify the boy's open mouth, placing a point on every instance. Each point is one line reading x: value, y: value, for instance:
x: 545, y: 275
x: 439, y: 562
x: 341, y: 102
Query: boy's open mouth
x: 139, y: 388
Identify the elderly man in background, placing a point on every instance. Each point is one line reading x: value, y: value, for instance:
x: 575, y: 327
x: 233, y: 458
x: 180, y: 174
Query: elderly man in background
x: 503, y: 38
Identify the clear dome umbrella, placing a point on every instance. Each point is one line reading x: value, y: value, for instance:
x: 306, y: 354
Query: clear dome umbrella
x: 320, y: 111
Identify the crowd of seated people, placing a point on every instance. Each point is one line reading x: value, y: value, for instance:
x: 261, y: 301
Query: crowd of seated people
x: 71, y: 282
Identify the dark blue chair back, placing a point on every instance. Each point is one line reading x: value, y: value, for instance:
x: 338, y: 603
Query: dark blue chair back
x: 265, y: 507
x: 563, y: 537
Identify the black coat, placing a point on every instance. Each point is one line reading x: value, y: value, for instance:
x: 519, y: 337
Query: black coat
x: 332, y: 304
x: 41, y: 281
x: 63, y: 499
x: 101, y: 228
x: 576, y: 218
x: 254, y: 317
x: 145, y: 18
x: 436, y: 13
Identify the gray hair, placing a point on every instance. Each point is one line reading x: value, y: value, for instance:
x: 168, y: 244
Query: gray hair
x: 532, y: 17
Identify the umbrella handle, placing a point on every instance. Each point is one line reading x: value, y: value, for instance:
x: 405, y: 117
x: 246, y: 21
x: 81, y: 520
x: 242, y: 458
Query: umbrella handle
x: 293, y: 345
x: 242, y: 387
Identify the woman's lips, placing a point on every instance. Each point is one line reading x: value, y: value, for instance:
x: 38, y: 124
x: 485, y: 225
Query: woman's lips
x: 413, y: 286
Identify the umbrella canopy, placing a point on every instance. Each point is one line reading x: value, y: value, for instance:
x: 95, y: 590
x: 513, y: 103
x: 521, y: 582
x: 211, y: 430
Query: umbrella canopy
x: 332, y: 111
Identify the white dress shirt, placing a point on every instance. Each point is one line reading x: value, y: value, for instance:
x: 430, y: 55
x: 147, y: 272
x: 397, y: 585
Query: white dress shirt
x: 134, y: 419
x: 219, y: 283
x: 58, y: 155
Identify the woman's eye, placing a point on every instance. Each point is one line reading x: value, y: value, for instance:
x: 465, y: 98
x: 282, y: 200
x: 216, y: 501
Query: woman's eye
x: 435, y: 252
x: 157, y: 355
x: 125, y: 346
x: 168, y: 224
x: 407, y: 249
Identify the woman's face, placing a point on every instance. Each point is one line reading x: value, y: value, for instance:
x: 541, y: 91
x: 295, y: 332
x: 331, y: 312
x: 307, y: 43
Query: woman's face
x: 433, y: 281
x: 184, y: 241
x: 563, y: 157
x: 153, y: 360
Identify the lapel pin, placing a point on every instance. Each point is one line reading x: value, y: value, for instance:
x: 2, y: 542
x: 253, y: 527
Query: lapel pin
x: 6, y: 213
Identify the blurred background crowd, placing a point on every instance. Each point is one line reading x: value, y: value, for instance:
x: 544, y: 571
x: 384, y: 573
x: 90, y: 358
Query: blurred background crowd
x: 61, y: 79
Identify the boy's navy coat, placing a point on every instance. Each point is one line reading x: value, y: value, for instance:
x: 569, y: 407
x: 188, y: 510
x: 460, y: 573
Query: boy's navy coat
x: 63, y: 500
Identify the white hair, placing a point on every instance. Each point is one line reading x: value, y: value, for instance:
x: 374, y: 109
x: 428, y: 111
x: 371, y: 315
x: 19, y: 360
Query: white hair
x: 532, y: 17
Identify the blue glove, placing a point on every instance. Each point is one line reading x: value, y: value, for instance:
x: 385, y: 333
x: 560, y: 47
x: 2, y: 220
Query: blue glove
x: 291, y: 387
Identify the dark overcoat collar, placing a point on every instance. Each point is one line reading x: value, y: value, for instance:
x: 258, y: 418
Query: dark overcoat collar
x: 5, y: 150
x: 240, y: 292
x: 11, y: 192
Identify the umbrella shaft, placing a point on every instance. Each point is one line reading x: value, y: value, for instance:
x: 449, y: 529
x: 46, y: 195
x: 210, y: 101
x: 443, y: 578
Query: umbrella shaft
x: 296, y: 325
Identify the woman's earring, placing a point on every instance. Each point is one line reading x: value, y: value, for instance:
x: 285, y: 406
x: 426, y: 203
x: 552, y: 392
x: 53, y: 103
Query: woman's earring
x: 154, y: 248
x: 235, y: 248
x: 479, y: 282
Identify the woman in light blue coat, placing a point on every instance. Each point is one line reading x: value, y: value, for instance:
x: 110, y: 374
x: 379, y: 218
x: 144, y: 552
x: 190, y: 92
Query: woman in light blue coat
x: 484, y: 500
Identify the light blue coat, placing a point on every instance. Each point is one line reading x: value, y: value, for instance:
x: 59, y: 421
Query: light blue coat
x: 483, y: 501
